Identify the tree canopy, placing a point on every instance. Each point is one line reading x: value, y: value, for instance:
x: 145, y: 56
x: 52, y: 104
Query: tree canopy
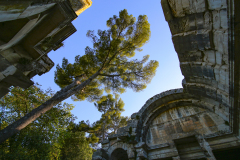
x: 108, y: 66
x: 52, y: 136
x: 76, y: 147
x: 111, y: 108
x: 40, y: 139
x: 111, y: 57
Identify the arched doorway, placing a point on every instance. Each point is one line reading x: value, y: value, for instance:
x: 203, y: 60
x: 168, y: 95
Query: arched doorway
x: 119, y: 154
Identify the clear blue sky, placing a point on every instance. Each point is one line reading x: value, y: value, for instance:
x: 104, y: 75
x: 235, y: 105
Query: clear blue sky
x: 159, y: 48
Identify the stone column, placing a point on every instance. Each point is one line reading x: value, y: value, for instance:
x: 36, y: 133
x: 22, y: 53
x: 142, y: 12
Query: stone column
x: 176, y: 158
x: 141, y: 149
x: 205, y: 147
x: 141, y: 154
x: 131, y: 154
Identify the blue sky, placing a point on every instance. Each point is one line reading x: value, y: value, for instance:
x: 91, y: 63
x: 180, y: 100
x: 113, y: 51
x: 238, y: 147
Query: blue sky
x: 159, y: 48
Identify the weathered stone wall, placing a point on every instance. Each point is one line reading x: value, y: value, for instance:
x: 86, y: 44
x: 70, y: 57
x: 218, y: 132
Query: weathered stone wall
x: 200, y: 37
x: 80, y: 5
x: 29, y: 30
x: 182, y: 122
x: 204, y: 33
x: 201, y: 119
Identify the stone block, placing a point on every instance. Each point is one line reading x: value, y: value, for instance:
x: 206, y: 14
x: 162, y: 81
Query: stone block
x: 4, y: 63
x: 9, y: 71
x: 186, y: 70
x: 192, y: 42
x: 208, y: 72
x: 209, y: 57
x: 218, y: 58
x: 166, y: 10
x: 190, y: 22
x: 225, y: 59
x: 216, y: 19
x: 19, y: 80
x: 220, y: 39
x: 222, y: 76
x: 159, y: 154
x: 191, y: 57
x: 176, y: 158
x: 1, y: 76
x: 196, y: 70
x: 177, y: 8
x: 217, y: 4
x: 182, y: 7
x: 11, y: 56
x: 224, y: 19
x: 35, y: 9
x: 100, y: 154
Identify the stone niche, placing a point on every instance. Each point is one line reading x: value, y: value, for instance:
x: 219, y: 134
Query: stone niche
x: 29, y: 30
x: 179, y: 127
x: 181, y: 122
x: 201, y: 120
x: 173, y: 125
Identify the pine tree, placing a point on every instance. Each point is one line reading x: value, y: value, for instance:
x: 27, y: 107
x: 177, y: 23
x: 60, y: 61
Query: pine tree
x: 108, y: 65
x: 76, y: 147
x: 111, y: 108
x: 40, y: 139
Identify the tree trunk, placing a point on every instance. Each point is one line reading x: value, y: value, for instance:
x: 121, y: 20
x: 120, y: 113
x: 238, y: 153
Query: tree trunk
x: 103, y: 135
x: 103, y: 131
x: 46, y: 106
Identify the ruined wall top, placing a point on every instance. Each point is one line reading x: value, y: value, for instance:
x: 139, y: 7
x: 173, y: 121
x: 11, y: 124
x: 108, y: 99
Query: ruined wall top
x: 201, y: 117
x: 80, y: 5
x: 30, y: 30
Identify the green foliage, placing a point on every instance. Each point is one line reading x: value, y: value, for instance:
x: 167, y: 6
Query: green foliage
x: 84, y: 127
x: 111, y: 58
x: 76, y: 147
x: 130, y: 130
x: 48, y: 136
x: 108, y: 66
x: 111, y: 119
x: 110, y: 105
x: 111, y: 108
x: 137, y: 117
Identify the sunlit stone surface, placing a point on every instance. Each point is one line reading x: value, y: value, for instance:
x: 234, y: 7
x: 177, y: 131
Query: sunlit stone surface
x: 200, y: 120
x: 29, y: 30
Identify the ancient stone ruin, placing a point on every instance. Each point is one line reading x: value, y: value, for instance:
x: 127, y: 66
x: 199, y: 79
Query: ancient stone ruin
x: 29, y: 30
x: 201, y: 120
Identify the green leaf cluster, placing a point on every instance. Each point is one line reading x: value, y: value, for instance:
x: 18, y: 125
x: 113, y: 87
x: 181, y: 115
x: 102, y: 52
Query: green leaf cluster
x: 76, y: 147
x: 111, y: 119
x: 111, y: 108
x: 49, y: 136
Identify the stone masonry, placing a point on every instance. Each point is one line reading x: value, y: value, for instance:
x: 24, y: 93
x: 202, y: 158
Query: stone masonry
x: 29, y: 30
x: 201, y: 120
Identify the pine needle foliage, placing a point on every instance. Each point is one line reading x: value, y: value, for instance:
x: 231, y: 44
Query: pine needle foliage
x: 111, y: 56
x: 111, y: 108
x: 108, y: 65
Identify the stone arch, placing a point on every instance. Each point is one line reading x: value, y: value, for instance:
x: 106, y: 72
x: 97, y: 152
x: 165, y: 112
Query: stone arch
x: 121, y: 145
x: 177, y: 106
x: 203, y: 41
x: 203, y: 34
x: 119, y: 154
x: 175, y: 123
x: 173, y: 99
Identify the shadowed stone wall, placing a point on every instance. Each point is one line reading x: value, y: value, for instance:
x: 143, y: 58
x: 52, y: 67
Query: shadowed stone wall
x: 181, y: 122
x: 29, y: 30
x: 200, y: 120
